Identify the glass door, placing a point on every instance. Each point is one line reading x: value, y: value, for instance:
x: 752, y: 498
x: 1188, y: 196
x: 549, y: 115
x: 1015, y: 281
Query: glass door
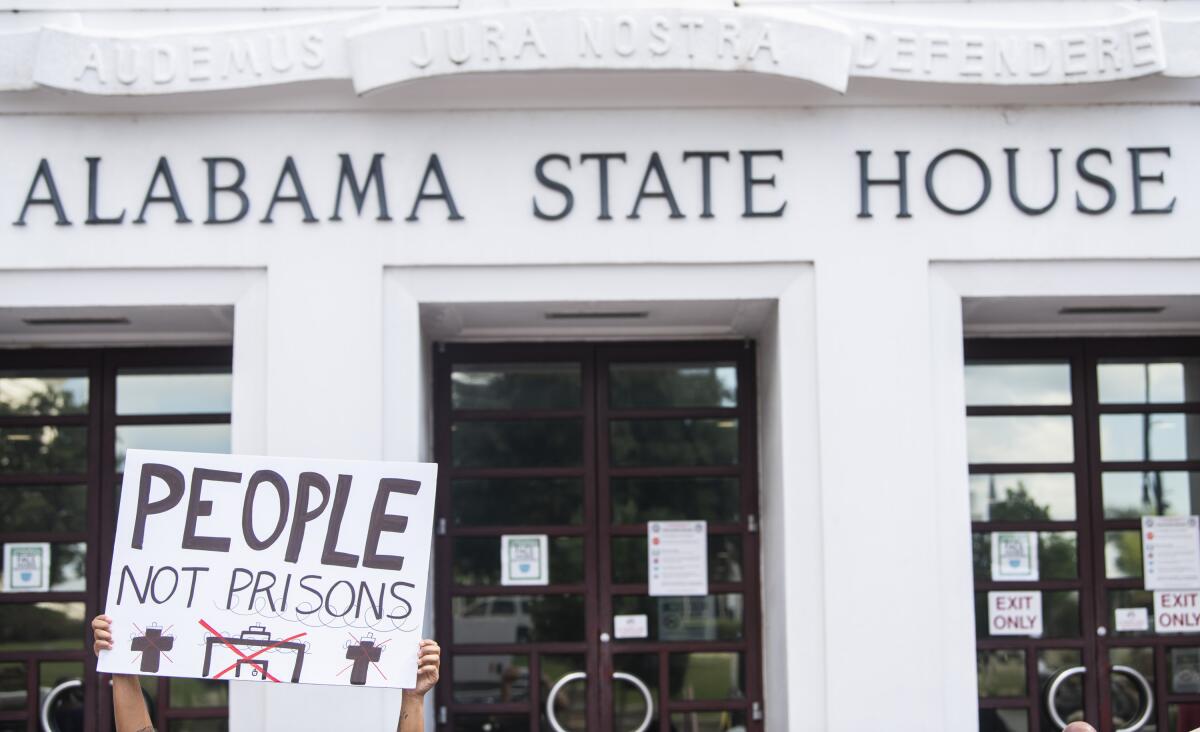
x: 1071, y: 444
x: 586, y: 444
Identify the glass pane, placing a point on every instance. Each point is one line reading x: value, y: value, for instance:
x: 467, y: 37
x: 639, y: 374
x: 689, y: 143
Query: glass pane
x: 159, y: 391
x: 714, y: 617
x: 490, y: 679
x: 68, y: 567
x: 1149, y: 381
x: 1151, y: 493
x: 1013, y: 384
x: 724, y: 558
x: 570, y: 704
x: 1069, y: 700
x: 1149, y: 437
x: 1003, y: 720
x: 725, y: 721
x: 661, y: 442
x: 518, y: 443
x: 43, y: 508
x: 707, y: 675
x: 629, y: 704
x: 1183, y: 669
x: 517, y: 618
x: 658, y: 385
x: 515, y: 386
x: 43, y: 392
x: 13, y: 687
x: 53, y: 673
x: 1058, y: 555
x: 477, y: 560
x: 1020, y: 439
x: 513, y: 501
x: 1129, y: 600
x: 199, y: 725
x: 43, y: 449
x: 638, y: 500
x: 191, y: 693
x: 1000, y: 673
x: 186, y: 437
x: 1060, y: 612
x: 1127, y: 698
x: 1122, y: 554
x: 42, y: 626
x: 491, y: 722
x: 1023, y: 497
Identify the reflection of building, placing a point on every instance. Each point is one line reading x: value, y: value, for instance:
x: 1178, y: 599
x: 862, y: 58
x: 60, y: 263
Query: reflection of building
x: 721, y: 261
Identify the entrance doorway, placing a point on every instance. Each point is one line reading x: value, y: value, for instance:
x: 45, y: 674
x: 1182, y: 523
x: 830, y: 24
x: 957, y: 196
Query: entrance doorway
x: 1071, y: 444
x: 585, y: 444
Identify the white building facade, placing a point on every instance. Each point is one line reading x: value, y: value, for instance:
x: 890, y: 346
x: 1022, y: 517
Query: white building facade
x: 825, y: 208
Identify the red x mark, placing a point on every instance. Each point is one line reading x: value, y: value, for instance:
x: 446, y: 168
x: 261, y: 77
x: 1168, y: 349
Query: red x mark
x: 252, y: 656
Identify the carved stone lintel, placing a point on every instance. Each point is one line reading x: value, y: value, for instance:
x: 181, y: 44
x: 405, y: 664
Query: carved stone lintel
x: 816, y: 49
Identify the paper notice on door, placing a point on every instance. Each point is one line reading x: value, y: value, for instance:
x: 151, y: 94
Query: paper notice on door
x: 1171, y: 552
x: 1131, y: 619
x: 1015, y: 613
x: 524, y: 559
x: 27, y: 567
x: 678, y: 558
x: 631, y: 626
x: 1014, y: 556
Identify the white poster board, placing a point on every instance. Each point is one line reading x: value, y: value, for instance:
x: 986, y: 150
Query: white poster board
x: 524, y: 559
x: 1015, y: 613
x: 281, y: 570
x: 678, y: 558
x: 27, y: 566
x: 1014, y: 556
x: 1177, y: 611
x: 1171, y: 552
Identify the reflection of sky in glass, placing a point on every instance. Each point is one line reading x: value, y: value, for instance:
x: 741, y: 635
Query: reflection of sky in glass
x: 174, y: 393
x: 1012, y: 384
x: 1041, y: 439
x: 1123, y: 436
x: 1127, y: 495
x: 16, y: 391
x: 188, y: 437
x: 1167, y: 382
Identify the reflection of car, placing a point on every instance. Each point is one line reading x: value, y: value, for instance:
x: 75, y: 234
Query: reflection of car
x: 489, y: 679
x: 494, y: 620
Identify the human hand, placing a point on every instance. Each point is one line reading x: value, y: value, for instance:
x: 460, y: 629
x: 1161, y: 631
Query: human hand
x: 429, y: 662
x: 102, y: 634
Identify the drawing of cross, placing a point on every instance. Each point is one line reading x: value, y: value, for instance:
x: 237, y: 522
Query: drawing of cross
x: 151, y: 645
x: 363, y: 654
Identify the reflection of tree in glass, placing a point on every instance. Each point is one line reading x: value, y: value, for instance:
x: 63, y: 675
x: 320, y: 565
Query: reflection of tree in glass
x: 43, y: 449
x: 1124, y: 552
x: 39, y: 396
x: 44, y: 626
x: 677, y: 385
x: 1057, y: 551
x: 516, y: 386
x: 1018, y: 505
x: 43, y: 508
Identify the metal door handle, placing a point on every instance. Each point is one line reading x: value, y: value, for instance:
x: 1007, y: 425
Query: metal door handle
x: 1061, y: 676
x: 558, y: 685
x: 50, y: 697
x: 641, y: 686
x: 1052, y: 692
x: 617, y: 675
x: 1134, y: 674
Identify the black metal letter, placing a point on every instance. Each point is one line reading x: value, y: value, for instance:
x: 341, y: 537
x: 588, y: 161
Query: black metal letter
x: 539, y: 170
x: 983, y: 171
x: 865, y: 182
x: 602, y: 162
x: 1096, y: 180
x: 706, y: 158
x: 749, y: 181
x: 43, y: 173
x: 359, y: 194
x: 1135, y: 156
x: 434, y: 168
x: 94, y: 194
x: 1011, y: 154
x: 235, y: 188
x: 664, y: 188
x: 163, y: 170
x: 289, y: 171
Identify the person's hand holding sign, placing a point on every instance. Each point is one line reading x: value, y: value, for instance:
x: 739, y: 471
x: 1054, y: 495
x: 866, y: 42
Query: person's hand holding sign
x: 129, y: 707
x: 412, y: 709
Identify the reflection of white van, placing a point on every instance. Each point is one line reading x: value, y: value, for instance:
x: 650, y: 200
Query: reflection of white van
x: 494, y: 620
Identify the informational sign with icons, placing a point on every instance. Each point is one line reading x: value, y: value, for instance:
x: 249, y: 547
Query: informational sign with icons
x: 525, y: 559
x: 677, y: 558
x: 1014, y: 556
x: 1171, y: 552
x: 27, y: 567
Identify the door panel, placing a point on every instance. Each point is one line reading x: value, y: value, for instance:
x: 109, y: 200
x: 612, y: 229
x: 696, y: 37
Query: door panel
x: 1074, y: 441
x: 586, y: 443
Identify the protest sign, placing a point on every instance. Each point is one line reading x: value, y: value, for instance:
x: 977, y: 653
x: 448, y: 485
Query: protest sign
x: 281, y: 570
